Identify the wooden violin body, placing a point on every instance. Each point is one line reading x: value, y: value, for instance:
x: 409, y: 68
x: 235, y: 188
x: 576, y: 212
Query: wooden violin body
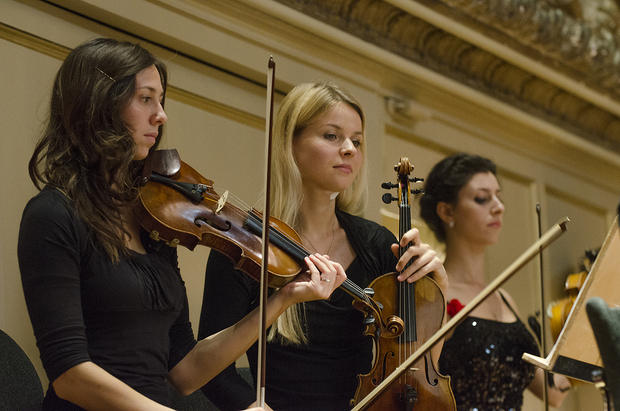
x: 559, y: 310
x: 421, y: 307
x: 421, y: 387
x: 213, y: 222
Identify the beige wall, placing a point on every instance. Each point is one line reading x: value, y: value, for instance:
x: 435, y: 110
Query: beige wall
x: 216, y: 109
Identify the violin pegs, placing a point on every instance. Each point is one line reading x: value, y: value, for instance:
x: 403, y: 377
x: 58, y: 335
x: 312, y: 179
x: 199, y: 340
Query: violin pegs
x: 417, y: 191
x: 388, y: 198
x: 389, y: 185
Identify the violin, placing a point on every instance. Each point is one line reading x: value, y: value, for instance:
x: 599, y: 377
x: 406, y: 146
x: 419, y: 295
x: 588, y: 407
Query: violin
x: 421, y: 305
x: 558, y: 311
x: 180, y: 207
x: 551, y: 235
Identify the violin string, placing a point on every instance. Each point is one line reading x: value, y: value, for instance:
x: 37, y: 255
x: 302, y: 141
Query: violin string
x: 403, y: 298
x: 232, y: 198
x: 407, y: 290
x: 411, y: 287
x: 240, y: 207
x: 401, y: 288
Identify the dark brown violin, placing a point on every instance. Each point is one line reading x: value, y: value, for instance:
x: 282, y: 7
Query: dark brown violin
x: 182, y: 208
x: 179, y: 206
x: 421, y: 306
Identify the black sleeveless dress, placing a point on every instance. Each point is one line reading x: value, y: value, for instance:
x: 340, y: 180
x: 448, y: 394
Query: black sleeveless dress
x: 483, y: 357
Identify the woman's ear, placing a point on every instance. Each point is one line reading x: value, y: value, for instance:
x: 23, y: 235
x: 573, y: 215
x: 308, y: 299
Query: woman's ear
x: 444, y: 211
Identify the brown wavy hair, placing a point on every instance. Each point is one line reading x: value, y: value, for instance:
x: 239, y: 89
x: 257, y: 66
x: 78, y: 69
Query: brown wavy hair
x: 86, y: 149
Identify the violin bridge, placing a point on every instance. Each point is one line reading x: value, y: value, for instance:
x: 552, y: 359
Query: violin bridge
x: 221, y: 202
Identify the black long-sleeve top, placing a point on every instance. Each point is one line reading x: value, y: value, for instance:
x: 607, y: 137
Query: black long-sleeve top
x: 320, y: 375
x: 130, y: 318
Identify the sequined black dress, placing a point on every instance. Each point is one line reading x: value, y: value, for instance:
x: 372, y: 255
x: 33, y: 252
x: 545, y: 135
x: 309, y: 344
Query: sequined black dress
x: 483, y: 357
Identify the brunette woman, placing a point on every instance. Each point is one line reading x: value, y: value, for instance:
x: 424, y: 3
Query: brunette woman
x: 108, y: 304
x: 463, y: 206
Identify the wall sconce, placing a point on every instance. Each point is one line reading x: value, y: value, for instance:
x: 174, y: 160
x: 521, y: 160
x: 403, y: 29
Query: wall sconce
x: 399, y: 107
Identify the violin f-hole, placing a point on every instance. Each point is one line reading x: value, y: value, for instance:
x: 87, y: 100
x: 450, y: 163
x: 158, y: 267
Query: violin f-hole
x: 431, y: 381
x: 227, y: 224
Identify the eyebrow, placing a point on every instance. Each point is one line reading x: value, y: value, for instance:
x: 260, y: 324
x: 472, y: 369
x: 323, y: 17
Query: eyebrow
x: 488, y: 190
x: 153, y: 89
x: 340, y: 128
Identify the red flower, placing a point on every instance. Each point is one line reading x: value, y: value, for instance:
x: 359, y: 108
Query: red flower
x: 454, y: 306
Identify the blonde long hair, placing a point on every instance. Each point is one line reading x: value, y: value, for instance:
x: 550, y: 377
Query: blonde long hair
x: 299, y: 109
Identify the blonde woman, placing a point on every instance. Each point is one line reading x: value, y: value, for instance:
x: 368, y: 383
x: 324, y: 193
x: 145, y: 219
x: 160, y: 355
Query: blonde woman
x: 319, y: 188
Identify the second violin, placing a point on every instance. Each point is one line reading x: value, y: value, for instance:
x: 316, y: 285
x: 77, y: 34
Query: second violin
x: 421, y: 305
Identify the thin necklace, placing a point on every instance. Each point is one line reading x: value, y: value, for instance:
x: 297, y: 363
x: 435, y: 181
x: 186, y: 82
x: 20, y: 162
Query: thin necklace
x: 330, y: 245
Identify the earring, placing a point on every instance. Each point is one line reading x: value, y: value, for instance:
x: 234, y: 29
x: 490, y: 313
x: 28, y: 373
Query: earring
x: 451, y: 224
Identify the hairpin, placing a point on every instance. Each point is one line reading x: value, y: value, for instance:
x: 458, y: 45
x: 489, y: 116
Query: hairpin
x: 105, y: 74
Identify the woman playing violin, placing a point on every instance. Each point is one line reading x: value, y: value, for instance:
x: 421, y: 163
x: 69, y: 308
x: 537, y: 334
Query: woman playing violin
x: 463, y: 206
x: 315, y: 350
x: 107, y: 304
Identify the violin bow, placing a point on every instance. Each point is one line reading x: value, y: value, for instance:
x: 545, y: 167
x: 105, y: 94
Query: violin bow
x: 551, y: 234
x: 543, y: 328
x: 262, y: 338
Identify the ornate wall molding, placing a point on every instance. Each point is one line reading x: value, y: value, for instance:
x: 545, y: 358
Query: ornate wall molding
x: 579, y: 40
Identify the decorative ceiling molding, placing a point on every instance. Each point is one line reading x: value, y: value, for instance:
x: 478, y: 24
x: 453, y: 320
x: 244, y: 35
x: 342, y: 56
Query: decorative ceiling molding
x: 578, y: 40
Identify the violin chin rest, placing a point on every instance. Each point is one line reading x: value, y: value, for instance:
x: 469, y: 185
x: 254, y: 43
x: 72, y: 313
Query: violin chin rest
x: 166, y: 162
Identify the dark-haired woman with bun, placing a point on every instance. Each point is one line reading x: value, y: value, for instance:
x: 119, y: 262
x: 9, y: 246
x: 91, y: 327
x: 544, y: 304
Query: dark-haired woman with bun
x: 463, y: 206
